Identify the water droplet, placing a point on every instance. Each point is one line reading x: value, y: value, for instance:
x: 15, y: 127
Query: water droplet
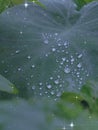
x: 80, y: 82
x: 46, y: 92
x: 58, y: 76
x: 33, y: 66
x: 67, y: 70
x: 8, y: 12
x: 79, y: 65
x: 2, y: 61
x: 56, y: 34
x: 59, y: 44
x: 29, y: 57
x: 33, y: 87
x: 19, y: 69
x: 46, y: 55
x: 5, y: 71
x: 40, y: 83
x: 71, y: 124
x: 66, y: 52
x: 28, y: 83
x: 85, y: 42
x: 49, y: 86
x: 60, y: 85
x: 63, y: 50
x: 65, y: 43
x: 63, y: 59
x: 17, y: 51
x: 61, y: 63
x: 80, y: 55
x: 40, y: 94
x: 78, y: 76
x: 21, y: 32
x: 56, y: 81
x: 53, y: 49
x: 51, y: 78
x: 46, y: 41
x: 40, y: 88
x: 87, y: 75
x: 81, y: 79
x: 52, y: 92
x: 26, y: 4
x: 72, y: 60
x: 32, y: 76
x: 58, y: 94
x: 67, y: 61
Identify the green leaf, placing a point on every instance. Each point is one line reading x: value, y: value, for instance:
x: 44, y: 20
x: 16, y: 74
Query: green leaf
x: 4, y: 4
x: 87, y: 99
x: 86, y: 89
x: 39, y: 3
x: 81, y: 3
x: 68, y: 110
x: 7, y: 86
x: 71, y: 97
x: 54, y: 51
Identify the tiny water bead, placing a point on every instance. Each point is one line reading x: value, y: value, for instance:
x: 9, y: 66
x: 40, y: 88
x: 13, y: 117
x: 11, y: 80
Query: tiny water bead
x: 29, y: 57
x: 46, y: 41
x: 19, y: 69
x: 52, y: 92
x: 80, y: 56
x: 64, y: 59
x: 67, y: 70
x: 69, y: 66
x: 49, y: 86
x: 33, y: 87
x: 26, y: 4
x: 71, y: 124
x: 33, y: 66
x: 21, y: 32
x: 40, y: 84
x: 68, y: 126
x: 79, y: 65
x: 53, y: 49
x: 51, y: 78
x: 17, y: 51
x: 56, y: 81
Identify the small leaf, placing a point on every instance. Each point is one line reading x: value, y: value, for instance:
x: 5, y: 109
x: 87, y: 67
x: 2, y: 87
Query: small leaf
x: 7, y: 86
x: 39, y: 3
x: 71, y: 97
x: 67, y: 110
x: 4, y: 4
x: 86, y: 89
x: 81, y: 3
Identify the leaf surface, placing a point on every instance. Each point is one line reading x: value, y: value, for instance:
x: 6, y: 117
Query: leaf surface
x: 6, y: 85
x: 48, y: 51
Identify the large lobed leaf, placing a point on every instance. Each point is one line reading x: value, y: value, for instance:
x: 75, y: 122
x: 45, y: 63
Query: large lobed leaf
x: 48, y: 51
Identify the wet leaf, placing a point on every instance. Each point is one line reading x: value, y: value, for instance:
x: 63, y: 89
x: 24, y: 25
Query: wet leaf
x: 7, y: 86
x: 81, y: 3
x: 71, y: 96
x: 86, y: 89
x: 50, y: 52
